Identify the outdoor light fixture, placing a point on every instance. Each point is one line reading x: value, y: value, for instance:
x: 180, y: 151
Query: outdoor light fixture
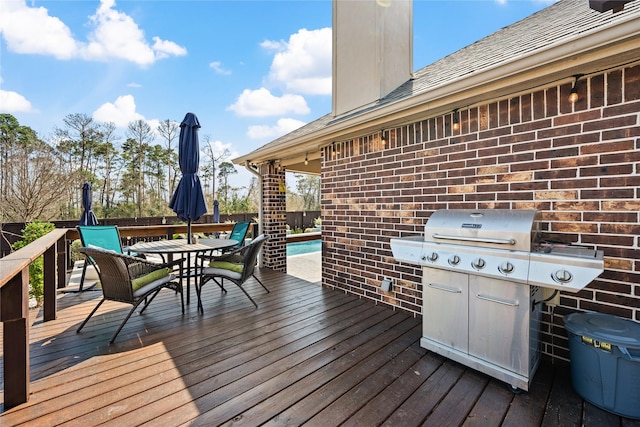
x: 383, y: 140
x: 306, y: 159
x: 456, y: 120
x: 573, y: 95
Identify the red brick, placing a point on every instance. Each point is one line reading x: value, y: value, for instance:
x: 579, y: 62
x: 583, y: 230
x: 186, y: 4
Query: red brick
x: 583, y: 116
x: 614, y: 87
x: 617, y: 110
x: 503, y: 113
x: 552, y: 102
x: 493, y: 115
x: 611, y: 123
x: 538, y: 106
x: 632, y: 83
x: 473, y: 120
x: 596, y: 86
x: 631, y: 132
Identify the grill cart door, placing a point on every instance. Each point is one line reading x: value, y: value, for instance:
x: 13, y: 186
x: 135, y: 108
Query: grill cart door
x: 445, y: 317
x: 500, y: 323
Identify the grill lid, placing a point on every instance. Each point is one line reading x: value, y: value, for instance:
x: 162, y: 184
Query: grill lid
x: 488, y: 228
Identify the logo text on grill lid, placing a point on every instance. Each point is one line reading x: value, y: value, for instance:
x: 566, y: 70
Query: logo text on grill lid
x: 468, y: 225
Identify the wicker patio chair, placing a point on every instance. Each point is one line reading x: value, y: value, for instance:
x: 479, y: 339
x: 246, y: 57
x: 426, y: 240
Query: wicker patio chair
x: 101, y: 236
x: 239, y: 233
x: 236, y: 267
x: 130, y: 280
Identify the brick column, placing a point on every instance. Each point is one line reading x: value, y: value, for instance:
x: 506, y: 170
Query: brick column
x: 274, y: 254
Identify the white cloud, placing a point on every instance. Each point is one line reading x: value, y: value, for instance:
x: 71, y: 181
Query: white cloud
x: 134, y: 84
x: 261, y: 103
x: 31, y: 30
x: 121, y: 112
x: 303, y: 64
x: 154, y: 123
x: 13, y: 102
x: 217, y: 67
x: 165, y: 48
x: 283, y: 127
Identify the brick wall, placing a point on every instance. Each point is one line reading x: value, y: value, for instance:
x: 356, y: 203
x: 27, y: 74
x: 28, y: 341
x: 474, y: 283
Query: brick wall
x: 274, y: 253
x: 577, y: 163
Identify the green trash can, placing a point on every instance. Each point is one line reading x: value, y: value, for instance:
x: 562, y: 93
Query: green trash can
x: 605, y: 361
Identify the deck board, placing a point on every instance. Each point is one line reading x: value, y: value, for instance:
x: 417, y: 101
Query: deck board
x: 306, y: 356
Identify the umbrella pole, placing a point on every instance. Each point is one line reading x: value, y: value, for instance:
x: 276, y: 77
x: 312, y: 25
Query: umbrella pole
x: 188, y: 231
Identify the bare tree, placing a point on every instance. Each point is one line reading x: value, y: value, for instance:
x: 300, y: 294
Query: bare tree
x: 213, y: 158
x: 141, y: 133
x: 169, y: 130
x: 37, y: 184
x: 81, y: 135
x: 109, y: 154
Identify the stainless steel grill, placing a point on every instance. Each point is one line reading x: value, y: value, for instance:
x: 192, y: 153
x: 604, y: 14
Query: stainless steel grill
x: 483, y: 271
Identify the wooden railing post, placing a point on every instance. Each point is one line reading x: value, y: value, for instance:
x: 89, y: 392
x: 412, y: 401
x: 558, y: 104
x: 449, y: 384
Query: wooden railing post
x: 50, y: 280
x: 14, y: 314
x: 62, y: 262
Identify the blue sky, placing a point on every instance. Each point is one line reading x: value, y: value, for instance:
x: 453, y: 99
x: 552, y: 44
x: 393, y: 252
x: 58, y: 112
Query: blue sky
x: 250, y: 70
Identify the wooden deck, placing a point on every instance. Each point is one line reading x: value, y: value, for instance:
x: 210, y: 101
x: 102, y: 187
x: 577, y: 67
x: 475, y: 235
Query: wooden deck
x: 307, y: 355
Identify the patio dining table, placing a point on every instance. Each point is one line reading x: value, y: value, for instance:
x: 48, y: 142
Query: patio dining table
x: 182, y: 247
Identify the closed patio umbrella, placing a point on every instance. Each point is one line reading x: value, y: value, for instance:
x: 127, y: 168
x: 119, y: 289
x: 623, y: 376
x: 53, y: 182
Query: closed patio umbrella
x: 216, y: 215
x: 216, y: 211
x: 88, y: 217
x: 188, y: 200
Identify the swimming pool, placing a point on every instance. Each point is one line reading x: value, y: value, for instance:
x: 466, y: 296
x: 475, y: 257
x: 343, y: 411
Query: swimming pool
x: 300, y: 248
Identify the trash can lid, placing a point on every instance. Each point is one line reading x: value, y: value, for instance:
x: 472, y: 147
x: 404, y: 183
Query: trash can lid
x: 604, y: 327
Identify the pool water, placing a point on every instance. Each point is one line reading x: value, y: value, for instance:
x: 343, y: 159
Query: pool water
x: 300, y: 248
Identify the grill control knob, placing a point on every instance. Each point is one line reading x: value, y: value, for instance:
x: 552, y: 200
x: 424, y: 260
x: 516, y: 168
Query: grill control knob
x: 454, y: 260
x: 478, y: 264
x: 562, y: 276
x: 506, y: 268
x: 433, y: 257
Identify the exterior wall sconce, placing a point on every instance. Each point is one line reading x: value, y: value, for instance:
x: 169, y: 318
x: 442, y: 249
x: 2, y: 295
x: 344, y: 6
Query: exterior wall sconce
x: 573, y: 95
x: 456, y: 120
x: 306, y: 159
x: 383, y: 139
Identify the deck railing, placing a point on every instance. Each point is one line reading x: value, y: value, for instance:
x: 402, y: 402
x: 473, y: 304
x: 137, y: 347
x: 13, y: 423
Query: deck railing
x: 14, y: 293
x: 14, y: 307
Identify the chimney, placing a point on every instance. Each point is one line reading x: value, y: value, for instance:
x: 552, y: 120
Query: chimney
x: 372, y: 50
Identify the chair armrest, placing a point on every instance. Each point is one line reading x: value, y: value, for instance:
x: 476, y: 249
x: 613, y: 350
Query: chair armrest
x: 140, y: 266
x: 222, y: 257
